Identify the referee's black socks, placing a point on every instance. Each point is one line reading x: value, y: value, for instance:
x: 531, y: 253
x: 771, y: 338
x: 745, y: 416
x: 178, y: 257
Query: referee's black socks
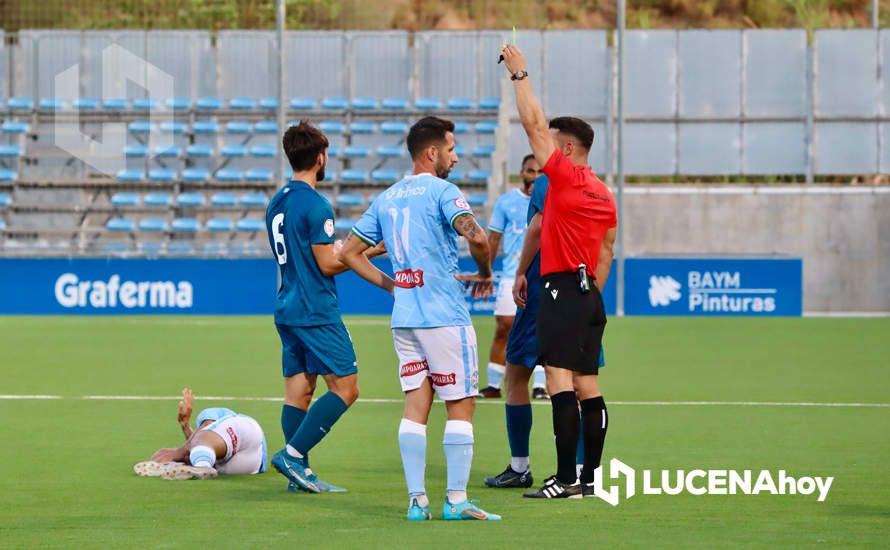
x: 595, y: 422
x: 566, y: 428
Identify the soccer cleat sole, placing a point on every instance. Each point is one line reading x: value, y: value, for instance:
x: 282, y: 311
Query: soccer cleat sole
x: 182, y: 472
x: 150, y: 468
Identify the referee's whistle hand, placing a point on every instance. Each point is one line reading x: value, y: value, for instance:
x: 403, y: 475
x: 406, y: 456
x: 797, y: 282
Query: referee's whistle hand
x: 513, y: 59
x: 520, y: 289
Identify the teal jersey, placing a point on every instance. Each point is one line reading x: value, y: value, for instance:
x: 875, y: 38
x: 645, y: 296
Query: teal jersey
x: 509, y: 219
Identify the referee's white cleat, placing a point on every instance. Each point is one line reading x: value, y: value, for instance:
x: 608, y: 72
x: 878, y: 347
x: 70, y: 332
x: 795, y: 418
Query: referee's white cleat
x: 554, y: 488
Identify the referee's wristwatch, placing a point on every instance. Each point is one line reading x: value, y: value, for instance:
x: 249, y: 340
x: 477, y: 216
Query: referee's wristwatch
x: 519, y: 75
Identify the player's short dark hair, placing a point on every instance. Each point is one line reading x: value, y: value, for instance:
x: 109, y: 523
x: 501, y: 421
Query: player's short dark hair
x: 526, y: 158
x: 427, y: 131
x: 302, y: 144
x: 576, y: 128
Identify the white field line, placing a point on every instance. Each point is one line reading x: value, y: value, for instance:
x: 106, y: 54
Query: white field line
x: 481, y: 401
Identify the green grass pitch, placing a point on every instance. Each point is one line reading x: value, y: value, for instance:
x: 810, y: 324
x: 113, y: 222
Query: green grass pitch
x: 65, y: 464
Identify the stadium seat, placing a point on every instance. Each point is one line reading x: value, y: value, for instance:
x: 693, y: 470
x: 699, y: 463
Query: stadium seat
x: 8, y: 175
x: 479, y: 176
x: 157, y: 199
x: 386, y: 175
x: 329, y: 175
x: 483, y: 151
x: 152, y: 224
x: 136, y: 150
x: 115, y: 103
x: 224, y: 199
x: 477, y: 199
x: 490, y: 103
x: 266, y: 127
x: 395, y: 103
x: 460, y: 103
x: 269, y: 103
x: 238, y: 127
x: 251, y: 224
x: 150, y: 248
x: 162, y: 174
x: 125, y: 199
x: 394, y: 127
x: 303, y: 103
x: 179, y: 103
x: 259, y: 174
x: 242, y: 103
x: 180, y: 248
x: 51, y: 104
x: 334, y: 151
x: 461, y: 127
x: 220, y: 224
x: 208, y: 103
x: 145, y: 103
x: 190, y: 199
x: 356, y: 151
x: 116, y: 247
x: 372, y: 196
x: 390, y: 151
x: 253, y: 199
x: 86, y: 104
x: 246, y: 248
x: 140, y: 127
x: 4, y: 199
x: 168, y: 151
x: 486, y: 126
x: 334, y: 103
x: 195, y: 175
x: 456, y: 176
x: 214, y: 249
x: 234, y: 150
x: 365, y: 103
x: 264, y: 151
x: 229, y: 174
x: 354, y: 175
x: 205, y: 127
x: 2, y: 225
x: 362, y: 127
x: 120, y: 224
x: 332, y: 126
x: 460, y: 150
x: 173, y: 126
x: 189, y: 225
x: 15, y: 127
x: 428, y: 104
x: 131, y: 175
x: 350, y: 200
x: 20, y: 104
x: 199, y: 151
x: 344, y: 224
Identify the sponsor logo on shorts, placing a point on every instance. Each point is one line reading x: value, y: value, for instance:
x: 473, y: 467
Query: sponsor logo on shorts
x: 408, y: 278
x: 443, y: 379
x: 234, y: 439
x: 415, y: 367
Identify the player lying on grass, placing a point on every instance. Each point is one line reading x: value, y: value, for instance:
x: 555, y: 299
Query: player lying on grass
x: 224, y: 442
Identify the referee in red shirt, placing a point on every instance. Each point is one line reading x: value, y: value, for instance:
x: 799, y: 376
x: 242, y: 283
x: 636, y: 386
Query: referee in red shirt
x: 578, y: 234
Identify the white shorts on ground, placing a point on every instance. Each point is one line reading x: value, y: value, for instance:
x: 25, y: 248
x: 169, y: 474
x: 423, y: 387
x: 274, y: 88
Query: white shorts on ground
x: 446, y: 355
x: 504, y: 306
x: 245, y: 445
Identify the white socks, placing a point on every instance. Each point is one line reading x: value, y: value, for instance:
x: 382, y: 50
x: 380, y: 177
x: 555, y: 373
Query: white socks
x: 519, y: 464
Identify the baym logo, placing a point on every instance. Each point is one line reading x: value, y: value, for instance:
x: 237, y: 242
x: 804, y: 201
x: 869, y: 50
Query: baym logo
x: 121, y: 69
x: 712, y: 292
x: 707, y: 482
x: 663, y: 290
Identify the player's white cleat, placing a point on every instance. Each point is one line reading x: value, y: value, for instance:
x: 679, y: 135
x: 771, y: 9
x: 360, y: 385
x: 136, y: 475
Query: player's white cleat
x: 150, y: 468
x: 183, y: 471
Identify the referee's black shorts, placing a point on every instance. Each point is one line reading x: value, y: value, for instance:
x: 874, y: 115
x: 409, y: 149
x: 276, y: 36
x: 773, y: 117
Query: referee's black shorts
x: 570, y: 324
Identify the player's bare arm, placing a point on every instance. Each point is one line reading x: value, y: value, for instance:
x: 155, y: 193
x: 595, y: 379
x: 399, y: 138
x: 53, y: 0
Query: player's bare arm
x: 327, y: 257
x: 494, y: 243
x: 467, y: 227
x: 354, y: 256
x: 185, y: 412
x: 530, y: 112
x: 530, y: 246
x: 604, y: 263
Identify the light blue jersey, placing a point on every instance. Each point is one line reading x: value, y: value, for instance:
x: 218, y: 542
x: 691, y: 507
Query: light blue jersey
x: 509, y: 219
x: 414, y: 218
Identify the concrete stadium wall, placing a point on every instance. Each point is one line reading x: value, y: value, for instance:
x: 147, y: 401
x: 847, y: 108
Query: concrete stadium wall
x: 842, y: 234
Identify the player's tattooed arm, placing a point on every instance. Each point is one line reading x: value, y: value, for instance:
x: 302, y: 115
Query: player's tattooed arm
x: 467, y: 227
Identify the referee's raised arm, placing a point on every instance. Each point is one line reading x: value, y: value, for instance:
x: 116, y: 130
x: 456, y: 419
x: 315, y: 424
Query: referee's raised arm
x: 530, y: 112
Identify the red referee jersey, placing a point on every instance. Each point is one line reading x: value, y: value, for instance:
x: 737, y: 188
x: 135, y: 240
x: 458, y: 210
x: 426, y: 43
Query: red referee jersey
x: 578, y: 211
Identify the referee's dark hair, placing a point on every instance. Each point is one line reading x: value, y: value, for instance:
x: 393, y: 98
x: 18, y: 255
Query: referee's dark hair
x: 302, y: 144
x: 426, y: 132
x: 576, y: 128
x: 526, y: 158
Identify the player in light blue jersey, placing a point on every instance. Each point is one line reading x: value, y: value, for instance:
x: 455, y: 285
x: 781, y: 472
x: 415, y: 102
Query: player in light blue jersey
x: 419, y: 218
x: 508, y: 224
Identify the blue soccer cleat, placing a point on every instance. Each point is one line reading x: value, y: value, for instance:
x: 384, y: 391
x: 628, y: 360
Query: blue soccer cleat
x: 324, y: 486
x: 416, y: 512
x: 466, y: 510
x: 295, y: 470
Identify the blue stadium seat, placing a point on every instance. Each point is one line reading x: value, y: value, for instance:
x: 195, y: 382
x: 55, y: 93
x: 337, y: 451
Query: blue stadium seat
x: 116, y: 247
x: 483, y: 151
x: 266, y: 127
x: 460, y: 103
x: 131, y: 175
x: 229, y: 174
x: 334, y: 151
x: 354, y: 175
x: 179, y: 103
x: 199, y: 151
x: 208, y: 103
x: 189, y: 225
x: 214, y: 249
x: 365, y: 103
x: 331, y: 126
x: 363, y: 127
x: 86, y: 104
x: 428, y: 104
x: 461, y: 127
x: 486, y: 126
x: 329, y: 175
x: 195, y: 175
x: 456, y: 176
x: 205, y: 127
x: 224, y: 199
x: 394, y: 127
x: 238, y: 127
x: 234, y: 150
x: 372, y: 196
x: 115, y: 103
x: 173, y: 126
x: 259, y: 174
x: 153, y: 224
x: 15, y: 127
x: 303, y: 103
x: 180, y: 248
x: 395, y: 103
x: 120, y: 224
x: 263, y: 150
x: 490, y: 103
x: 162, y: 174
x: 242, y: 103
x: 2, y: 225
x: 334, y: 103
x: 150, y: 248
x: 247, y: 248
x: 140, y: 127
x: 125, y: 199
x: 390, y: 151
x: 253, y: 199
x: 220, y: 224
x: 269, y: 103
x: 51, y: 104
x: 350, y: 200
x: 479, y: 175
x: 157, y: 199
x: 477, y: 199
x: 4, y: 199
x: 145, y: 103
x: 8, y: 175
x: 190, y: 199
x: 136, y: 150
x: 460, y: 150
x: 20, y: 104
x: 356, y: 151
x: 344, y: 224
x: 168, y: 151
x: 251, y: 224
